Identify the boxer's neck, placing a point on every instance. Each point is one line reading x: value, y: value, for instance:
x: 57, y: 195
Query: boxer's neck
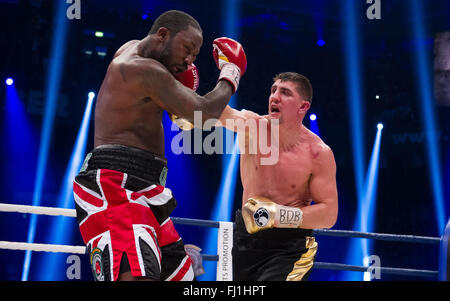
x: 291, y: 136
x: 145, y: 48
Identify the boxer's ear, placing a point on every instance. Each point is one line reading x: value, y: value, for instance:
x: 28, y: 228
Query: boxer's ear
x: 304, y: 107
x: 163, y: 33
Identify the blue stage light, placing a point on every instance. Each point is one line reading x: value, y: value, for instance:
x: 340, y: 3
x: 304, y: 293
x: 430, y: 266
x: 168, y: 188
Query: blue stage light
x: 53, y: 83
x: 225, y: 197
x: 352, y: 60
x: 223, y: 206
x: 20, y: 152
x: 354, y: 89
x: 425, y: 86
x: 60, y: 232
x: 313, y: 124
x: 360, y: 249
x: 368, y: 205
x: 319, y: 24
x: 380, y: 126
x: 9, y: 81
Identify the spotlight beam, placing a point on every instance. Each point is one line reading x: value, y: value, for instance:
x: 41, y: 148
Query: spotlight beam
x: 223, y: 205
x: 368, y: 205
x: 53, y: 83
x: 225, y: 197
x: 59, y: 233
x: 360, y: 248
x: 428, y: 115
x: 353, y: 74
x: 351, y: 50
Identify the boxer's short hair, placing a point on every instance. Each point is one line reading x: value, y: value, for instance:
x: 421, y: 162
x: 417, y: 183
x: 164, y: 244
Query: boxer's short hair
x: 175, y: 21
x: 304, y: 87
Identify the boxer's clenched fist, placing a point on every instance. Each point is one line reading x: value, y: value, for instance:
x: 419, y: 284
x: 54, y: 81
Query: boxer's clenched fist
x: 260, y: 213
x: 190, y: 79
x: 230, y: 58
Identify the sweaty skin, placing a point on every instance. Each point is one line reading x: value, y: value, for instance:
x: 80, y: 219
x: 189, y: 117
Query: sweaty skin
x: 304, y: 175
x: 139, y: 85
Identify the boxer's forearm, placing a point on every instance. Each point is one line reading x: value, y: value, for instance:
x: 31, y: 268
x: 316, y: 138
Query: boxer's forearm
x: 319, y: 216
x: 216, y: 101
x: 228, y: 114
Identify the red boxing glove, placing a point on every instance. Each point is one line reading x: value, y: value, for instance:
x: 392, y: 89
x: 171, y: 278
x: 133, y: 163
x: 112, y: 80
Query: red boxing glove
x: 189, y: 78
x: 230, y: 58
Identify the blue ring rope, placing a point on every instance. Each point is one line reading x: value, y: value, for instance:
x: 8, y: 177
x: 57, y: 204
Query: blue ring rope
x: 383, y: 270
x: 195, y: 222
x: 327, y: 232
x: 340, y: 233
x: 380, y: 236
x: 355, y: 268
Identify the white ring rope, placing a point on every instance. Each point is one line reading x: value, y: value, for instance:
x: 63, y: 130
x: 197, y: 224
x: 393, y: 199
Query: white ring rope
x: 72, y: 213
x: 38, y: 210
x: 42, y: 247
x: 82, y: 249
x: 45, y: 247
x: 9, y: 245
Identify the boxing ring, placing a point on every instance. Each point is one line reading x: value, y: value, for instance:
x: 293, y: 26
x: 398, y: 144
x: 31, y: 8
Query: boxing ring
x: 225, y: 242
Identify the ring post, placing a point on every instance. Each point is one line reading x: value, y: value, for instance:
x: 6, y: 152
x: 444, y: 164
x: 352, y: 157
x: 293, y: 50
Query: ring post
x: 444, y: 264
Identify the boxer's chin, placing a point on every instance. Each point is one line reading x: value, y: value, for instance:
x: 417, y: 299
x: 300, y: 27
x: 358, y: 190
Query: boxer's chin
x: 176, y: 69
x: 173, y: 70
x: 275, y: 115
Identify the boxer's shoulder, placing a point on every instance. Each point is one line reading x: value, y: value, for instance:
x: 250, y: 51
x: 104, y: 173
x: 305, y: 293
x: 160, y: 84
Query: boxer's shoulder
x: 323, y: 157
x: 129, y: 58
x: 142, y: 74
x: 124, y: 47
x: 319, y: 149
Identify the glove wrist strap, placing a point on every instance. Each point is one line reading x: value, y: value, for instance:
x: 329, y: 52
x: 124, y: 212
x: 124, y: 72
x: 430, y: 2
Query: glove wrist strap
x: 231, y: 73
x: 288, y: 217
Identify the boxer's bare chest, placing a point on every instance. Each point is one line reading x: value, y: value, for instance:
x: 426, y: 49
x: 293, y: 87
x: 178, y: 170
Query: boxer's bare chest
x: 123, y: 118
x: 285, y: 182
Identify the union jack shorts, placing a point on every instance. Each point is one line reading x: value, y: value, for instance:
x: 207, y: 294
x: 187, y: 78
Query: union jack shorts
x: 125, y: 224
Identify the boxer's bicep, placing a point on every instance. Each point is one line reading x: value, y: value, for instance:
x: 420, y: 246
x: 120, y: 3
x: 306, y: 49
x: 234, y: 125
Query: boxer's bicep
x: 161, y: 87
x: 147, y: 80
x: 175, y: 98
x: 323, y: 186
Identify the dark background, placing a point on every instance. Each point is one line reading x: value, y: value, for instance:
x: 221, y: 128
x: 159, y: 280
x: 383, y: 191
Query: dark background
x: 277, y: 36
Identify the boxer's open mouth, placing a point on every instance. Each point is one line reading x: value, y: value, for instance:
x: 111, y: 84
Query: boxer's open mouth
x: 274, y: 109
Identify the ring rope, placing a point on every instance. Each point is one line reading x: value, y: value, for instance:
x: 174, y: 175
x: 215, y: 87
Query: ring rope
x: 383, y: 270
x: 195, y: 222
x: 42, y: 247
x: 206, y: 257
x: 206, y: 223
x: 38, y: 210
x: 379, y: 236
x: 23, y: 246
x: 214, y: 224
